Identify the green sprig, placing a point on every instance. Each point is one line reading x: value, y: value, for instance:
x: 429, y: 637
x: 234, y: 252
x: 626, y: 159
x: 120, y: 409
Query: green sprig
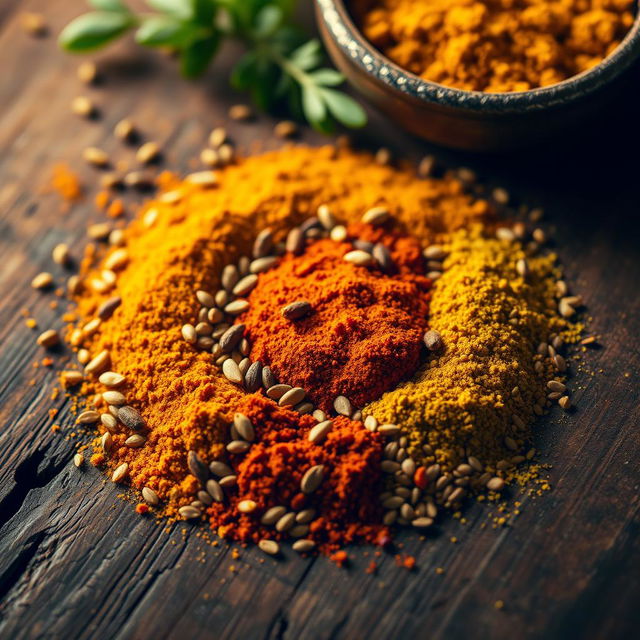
x: 280, y: 66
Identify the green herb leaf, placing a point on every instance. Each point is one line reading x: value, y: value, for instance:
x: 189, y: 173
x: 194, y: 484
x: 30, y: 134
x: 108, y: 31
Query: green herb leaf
x: 344, y: 108
x: 109, y: 5
x: 162, y: 31
x: 195, y: 58
x: 182, y: 9
x: 93, y: 30
x: 267, y: 20
x: 244, y: 73
x: 327, y: 77
x: 308, y: 55
x: 313, y: 105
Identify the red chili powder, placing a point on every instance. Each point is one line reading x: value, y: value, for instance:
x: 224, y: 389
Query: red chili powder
x: 364, y: 334
x: 346, y: 503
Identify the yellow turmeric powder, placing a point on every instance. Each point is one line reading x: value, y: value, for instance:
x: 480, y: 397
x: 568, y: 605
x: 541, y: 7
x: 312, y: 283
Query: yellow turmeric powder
x: 495, y: 45
x: 489, y: 379
x: 462, y: 402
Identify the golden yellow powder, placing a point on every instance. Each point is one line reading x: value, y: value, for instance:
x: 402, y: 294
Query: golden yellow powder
x: 495, y: 45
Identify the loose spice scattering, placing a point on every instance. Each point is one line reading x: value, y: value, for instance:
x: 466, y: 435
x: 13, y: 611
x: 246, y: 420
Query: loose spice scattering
x: 495, y: 45
x: 403, y: 379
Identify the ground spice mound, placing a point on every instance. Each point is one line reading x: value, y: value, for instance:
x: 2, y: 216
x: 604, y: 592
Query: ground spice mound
x: 477, y: 395
x: 484, y: 385
x: 271, y: 471
x: 495, y: 45
x: 364, y: 333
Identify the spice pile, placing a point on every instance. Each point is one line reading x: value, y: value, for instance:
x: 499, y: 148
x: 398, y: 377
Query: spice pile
x: 495, y: 45
x: 314, y: 346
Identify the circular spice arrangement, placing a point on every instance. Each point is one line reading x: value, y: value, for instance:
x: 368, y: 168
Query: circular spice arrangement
x: 309, y: 346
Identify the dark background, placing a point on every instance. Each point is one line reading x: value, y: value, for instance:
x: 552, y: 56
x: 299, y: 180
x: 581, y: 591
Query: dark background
x: 75, y: 561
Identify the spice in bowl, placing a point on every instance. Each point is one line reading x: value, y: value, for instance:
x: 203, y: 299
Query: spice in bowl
x: 495, y: 45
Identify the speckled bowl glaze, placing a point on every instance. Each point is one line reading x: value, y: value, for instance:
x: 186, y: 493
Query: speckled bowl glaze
x: 471, y: 120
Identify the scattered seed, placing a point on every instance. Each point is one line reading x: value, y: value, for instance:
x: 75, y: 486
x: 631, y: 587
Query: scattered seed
x: 268, y: 379
x: 240, y: 112
x: 84, y: 107
x: 303, y: 546
x: 120, y: 472
x: 320, y: 431
x: 522, y: 267
x: 247, y: 506
x: 338, y: 233
x: 272, y: 515
x: 135, y: 441
x: 286, y: 522
x: 48, y: 338
x: 560, y: 363
x: 312, y: 479
x: 71, y: 378
x: 263, y: 244
x: 342, y: 406
x: 262, y: 264
x: 383, y: 156
x: 106, y: 442
x: 130, y: 418
x: 96, y: 157
x: 111, y: 379
x: 292, y: 397
x: 232, y: 372
x: 270, y: 547
x: 148, y: 152
x: 376, y: 216
x: 370, y: 423
x: 389, y: 429
x: 495, y: 484
x: 220, y: 469
x: 277, y: 391
x: 326, y: 217
x: 286, y: 129
x: 237, y: 307
x: 214, y: 490
x: 189, y: 512
x: 253, y: 376
x: 556, y: 385
x: 197, y: 467
x: 109, y: 422
x: 358, y: 257
x: 98, y: 364
x: 422, y: 523
x: 34, y: 24
x: 217, y: 137
x: 382, y: 256
x: 565, y: 402
x: 296, y: 310
x: 78, y: 460
x: 432, y: 340
x: 88, y: 417
x: 202, y: 178
x: 107, y: 308
x: 231, y: 337
x: 295, y: 241
x: 245, y: 285
x: 114, y: 398
x: 42, y: 281
x: 238, y: 446
x: 244, y: 427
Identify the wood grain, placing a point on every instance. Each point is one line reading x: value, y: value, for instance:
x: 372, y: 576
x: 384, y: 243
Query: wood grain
x: 77, y: 562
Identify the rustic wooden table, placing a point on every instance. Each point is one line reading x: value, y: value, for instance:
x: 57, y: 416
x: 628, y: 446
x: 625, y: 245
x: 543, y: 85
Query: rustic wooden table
x: 77, y: 562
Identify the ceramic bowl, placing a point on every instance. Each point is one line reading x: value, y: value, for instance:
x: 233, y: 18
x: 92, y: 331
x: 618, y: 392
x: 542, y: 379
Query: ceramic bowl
x: 471, y: 120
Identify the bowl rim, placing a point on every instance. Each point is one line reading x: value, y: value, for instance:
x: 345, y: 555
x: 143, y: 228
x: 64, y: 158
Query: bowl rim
x: 351, y: 40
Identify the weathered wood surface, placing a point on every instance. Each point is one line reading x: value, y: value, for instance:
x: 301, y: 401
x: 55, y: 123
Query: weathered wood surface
x: 77, y: 562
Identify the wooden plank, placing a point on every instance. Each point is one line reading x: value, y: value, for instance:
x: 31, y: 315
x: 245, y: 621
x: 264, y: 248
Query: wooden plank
x: 77, y: 562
